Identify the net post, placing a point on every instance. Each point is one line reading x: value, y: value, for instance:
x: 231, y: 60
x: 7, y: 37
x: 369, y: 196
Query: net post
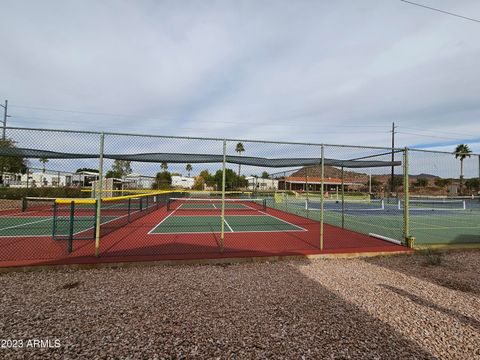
x: 95, y: 219
x: 129, y: 209
x: 222, y: 234
x: 99, y: 195
x: 321, y: 196
x: 406, y: 198
x: 307, y: 206
x: 24, y: 204
x: 343, y: 197
x: 70, y: 232
x: 54, y: 222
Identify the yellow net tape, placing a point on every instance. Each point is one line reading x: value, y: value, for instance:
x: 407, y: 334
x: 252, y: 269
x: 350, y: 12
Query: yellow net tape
x: 92, y: 201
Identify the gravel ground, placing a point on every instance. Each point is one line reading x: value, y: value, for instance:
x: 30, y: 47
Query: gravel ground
x: 381, y: 308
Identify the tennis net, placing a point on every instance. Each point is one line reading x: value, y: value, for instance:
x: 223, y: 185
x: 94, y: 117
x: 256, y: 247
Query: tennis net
x: 194, y: 203
x: 30, y: 203
x: 75, y: 219
x: 350, y: 205
x: 431, y: 205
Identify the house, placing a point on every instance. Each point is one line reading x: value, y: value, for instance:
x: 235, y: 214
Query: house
x: 138, y: 181
x: 182, y: 181
x: 260, y: 184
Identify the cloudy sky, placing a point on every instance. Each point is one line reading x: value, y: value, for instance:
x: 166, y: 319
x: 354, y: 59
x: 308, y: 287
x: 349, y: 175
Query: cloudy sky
x: 313, y: 71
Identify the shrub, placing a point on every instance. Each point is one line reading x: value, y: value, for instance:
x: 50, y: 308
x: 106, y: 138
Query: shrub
x: 431, y: 257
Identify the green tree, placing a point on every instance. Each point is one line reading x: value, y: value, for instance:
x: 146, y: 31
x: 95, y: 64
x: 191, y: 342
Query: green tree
x: 199, y: 183
x: 189, y: 169
x: 230, y: 179
x: 421, y: 182
x: 462, y: 151
x: 11, y: 164
x: 207, y: 177
x: 44, y: 161
x: 397, y: 181
x: 443, y: 183
x: 120, y: 169
x: 265, y: 175
x: 375, y: 183
x: 239, y: 148
x: 473, y: 184
x: 163, y: 180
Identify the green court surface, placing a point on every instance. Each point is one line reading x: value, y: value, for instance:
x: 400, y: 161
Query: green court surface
x: 43, y: 225
x: 436, y: 227
x: 179, y: 224
x: 427, y: 229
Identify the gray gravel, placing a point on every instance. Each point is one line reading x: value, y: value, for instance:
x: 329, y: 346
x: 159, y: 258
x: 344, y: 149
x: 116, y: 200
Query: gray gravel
x: 362, y: 308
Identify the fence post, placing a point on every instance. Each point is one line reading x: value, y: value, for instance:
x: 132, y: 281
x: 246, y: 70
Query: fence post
x: 71, y: 227
x: 99, y: 187
x: 321, y: 196
x: 306, y: 191
x: 222, y: 234
x: 343, y: 197
x: 406, y: 197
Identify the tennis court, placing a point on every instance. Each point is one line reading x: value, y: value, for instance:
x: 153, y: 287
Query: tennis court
x: 194, y: 215
x: 165, y: 227
x: 431, y: 221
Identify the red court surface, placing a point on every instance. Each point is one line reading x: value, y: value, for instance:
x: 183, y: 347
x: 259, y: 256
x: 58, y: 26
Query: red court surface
x: 133, y: 242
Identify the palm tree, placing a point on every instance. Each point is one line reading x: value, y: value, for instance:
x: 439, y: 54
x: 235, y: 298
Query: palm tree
x: 164, y: 166
x: 43, y: 160
x: 239, y: 149
x: 462, y: 151
x: 188, y: 168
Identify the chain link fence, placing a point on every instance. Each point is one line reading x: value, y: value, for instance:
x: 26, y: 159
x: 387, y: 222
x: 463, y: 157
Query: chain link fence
x: 71, y: 196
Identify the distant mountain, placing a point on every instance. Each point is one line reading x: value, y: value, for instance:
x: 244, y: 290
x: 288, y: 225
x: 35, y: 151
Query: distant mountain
x: 425, y: 176
x: 330, y: 172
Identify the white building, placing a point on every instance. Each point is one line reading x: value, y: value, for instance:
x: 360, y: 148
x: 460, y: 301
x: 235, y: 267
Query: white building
x: 183, y: 182
x: 138, y: 181
x: 49, y: 179
x: 259, y: 184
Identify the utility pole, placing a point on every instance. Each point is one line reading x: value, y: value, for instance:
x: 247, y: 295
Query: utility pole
x: 392, y: 187
x: 5, y: 115
x: 5, y: 109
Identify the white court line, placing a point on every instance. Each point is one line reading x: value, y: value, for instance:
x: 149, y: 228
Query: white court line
x: 225, y: 220
x: 106, y: 222
x: 286, y: 222
x: 20, y: 225
x: 218, y: 232
x: 165, y: 218
x: 216, y: 216
x: 23, y: 236
x: 64, y: 217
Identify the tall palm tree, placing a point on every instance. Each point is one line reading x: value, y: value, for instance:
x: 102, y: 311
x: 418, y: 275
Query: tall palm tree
x: 239, y: 149
x: 43, y: 160
x: 462, y: 151
x: 189, y: 169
